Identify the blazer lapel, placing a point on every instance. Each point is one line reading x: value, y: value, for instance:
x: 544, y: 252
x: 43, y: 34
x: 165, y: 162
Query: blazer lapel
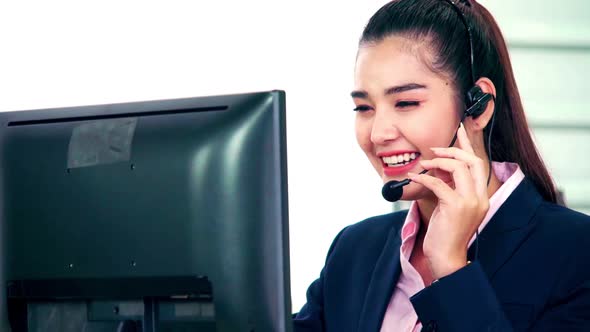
x: 383, y: 280
x: 507, y: 229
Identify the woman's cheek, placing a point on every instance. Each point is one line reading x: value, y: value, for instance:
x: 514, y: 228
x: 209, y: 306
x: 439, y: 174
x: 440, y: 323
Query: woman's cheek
x: 363, y: 134
x: 430, y: 133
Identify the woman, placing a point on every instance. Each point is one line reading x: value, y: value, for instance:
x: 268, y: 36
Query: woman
x: 483, y: 246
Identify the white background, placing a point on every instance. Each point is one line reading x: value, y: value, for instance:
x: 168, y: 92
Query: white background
x: 67, y: 53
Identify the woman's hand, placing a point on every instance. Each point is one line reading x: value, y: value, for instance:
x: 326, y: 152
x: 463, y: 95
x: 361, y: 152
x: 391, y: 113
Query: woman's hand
x: 460, y: 211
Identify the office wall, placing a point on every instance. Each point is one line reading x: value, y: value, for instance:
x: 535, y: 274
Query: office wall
x: 62, y: 53
x: 550, y: 49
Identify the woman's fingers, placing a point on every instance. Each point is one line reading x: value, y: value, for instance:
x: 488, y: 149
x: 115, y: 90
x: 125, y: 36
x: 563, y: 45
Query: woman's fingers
x: 475, y: 164
x: 467, y: 169
x: 466, y: 154
x: 436, y: 185
x: 458, y: 169
x: 463, y: 140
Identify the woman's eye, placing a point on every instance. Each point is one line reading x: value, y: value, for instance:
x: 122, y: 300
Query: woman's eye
x: 403, y: 104
x: 362, y: 108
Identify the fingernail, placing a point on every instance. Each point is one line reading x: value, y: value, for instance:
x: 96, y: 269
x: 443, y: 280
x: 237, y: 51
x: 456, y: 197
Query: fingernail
x: 435, y: 149
x: 412, y: 175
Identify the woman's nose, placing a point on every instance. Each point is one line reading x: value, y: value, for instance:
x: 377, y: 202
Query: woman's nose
x: 383, y: 129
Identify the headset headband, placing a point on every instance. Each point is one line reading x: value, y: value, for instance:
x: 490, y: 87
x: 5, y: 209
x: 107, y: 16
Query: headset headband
x: 469, y: 38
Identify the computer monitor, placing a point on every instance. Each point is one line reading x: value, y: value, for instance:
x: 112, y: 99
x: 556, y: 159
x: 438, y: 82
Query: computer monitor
x: 166, y: 215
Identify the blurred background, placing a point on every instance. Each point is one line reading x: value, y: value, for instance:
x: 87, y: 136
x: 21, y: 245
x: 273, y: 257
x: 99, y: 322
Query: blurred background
x: 68, y: 53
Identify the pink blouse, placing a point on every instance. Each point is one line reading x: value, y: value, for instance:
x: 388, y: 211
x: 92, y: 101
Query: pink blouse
x: 400, y: 314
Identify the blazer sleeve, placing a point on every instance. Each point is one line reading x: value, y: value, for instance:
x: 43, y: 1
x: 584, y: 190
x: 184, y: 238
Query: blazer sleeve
x: 571, y: 315
x: 465, y: 301
x: 311, y: 316
x: 461, y: 301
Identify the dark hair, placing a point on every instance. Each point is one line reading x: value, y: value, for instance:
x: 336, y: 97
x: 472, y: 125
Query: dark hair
x: 435, y: 22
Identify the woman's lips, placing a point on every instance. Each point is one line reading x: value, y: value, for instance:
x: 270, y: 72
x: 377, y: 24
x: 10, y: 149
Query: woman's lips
x: 400, y: 170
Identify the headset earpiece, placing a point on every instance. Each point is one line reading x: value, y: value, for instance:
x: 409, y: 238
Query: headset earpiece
x: 477, y: 100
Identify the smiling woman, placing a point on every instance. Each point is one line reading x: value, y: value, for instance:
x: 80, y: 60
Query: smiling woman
x: 430, y: 72
x: 423, y: 112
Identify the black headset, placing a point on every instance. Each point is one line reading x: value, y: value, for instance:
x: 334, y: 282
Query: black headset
x: 476, y: 99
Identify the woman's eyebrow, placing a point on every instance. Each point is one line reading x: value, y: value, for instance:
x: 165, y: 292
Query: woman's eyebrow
x: 405, y: 87
x: 389, y: 91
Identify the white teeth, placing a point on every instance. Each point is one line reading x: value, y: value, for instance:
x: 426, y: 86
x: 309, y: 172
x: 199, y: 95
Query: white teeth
x: 399, y: 160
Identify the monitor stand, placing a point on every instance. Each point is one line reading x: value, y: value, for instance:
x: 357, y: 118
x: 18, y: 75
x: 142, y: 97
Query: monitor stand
x: 112, y: 305
x: 149, y: 315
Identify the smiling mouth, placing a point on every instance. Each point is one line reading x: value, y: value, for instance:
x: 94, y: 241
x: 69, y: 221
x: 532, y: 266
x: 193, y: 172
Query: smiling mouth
x: 400, y: 160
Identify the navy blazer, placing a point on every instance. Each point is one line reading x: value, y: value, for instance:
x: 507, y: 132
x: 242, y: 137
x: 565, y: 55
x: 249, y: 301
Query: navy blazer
x: 532, y: 274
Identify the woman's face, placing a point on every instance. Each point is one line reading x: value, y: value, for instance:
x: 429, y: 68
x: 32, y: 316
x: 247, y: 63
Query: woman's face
x: 404, y: 109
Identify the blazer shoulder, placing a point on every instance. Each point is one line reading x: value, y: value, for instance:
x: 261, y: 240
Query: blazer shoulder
x: 562, y: 223
x: 566, y: 232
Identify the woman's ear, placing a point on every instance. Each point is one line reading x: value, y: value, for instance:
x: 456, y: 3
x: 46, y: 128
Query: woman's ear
x: 478, y: 124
